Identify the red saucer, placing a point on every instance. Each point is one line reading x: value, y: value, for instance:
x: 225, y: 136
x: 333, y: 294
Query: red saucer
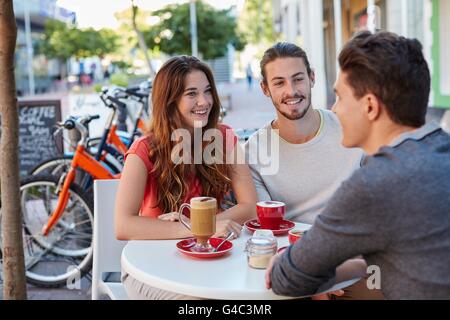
x: 185, y: 246
x: 286, y: 225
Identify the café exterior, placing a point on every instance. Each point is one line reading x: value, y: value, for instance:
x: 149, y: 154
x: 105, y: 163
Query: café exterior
x: 298, y: 21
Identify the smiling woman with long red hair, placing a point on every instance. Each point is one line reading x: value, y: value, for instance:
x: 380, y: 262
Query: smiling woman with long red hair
x: 153, y: 186
x: 168, y: 116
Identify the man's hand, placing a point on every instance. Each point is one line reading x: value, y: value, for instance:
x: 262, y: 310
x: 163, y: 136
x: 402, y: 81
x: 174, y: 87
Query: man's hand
x: 325, y: 296
x: 269, y: 269
x: 328, y: 296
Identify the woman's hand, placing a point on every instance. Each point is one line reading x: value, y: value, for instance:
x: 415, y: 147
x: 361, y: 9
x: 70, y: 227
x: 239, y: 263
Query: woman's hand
x: 171, y: 216
x: 224, y: 227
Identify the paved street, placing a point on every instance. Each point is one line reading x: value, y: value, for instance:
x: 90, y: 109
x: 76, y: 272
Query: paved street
x: 249, y: 109
x: 36, y: 293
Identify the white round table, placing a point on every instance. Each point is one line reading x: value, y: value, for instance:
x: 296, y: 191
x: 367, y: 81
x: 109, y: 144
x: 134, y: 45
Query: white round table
x: 158, y: 263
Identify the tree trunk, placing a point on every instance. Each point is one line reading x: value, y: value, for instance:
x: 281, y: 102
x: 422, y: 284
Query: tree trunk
x: 14, y: 286
x: 141, y: 40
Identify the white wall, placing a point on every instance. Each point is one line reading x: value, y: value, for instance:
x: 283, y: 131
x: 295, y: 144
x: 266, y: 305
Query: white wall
x: 393, y: 12
x: 290, y: 22
x: 414, y: 16
x: 311, y: 18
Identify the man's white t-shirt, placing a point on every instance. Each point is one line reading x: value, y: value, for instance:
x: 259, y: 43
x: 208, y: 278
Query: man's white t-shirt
x: 306, y: 174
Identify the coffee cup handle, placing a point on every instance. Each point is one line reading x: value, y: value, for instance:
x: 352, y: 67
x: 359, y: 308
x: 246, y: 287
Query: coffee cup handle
x: 180, y: 215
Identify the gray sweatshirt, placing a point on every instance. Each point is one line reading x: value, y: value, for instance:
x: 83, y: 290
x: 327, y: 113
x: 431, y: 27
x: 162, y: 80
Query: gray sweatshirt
x: 306, y: 175
x: 395, y: 212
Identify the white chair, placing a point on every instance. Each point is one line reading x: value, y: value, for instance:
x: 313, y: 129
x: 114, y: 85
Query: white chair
x: 107, y: 249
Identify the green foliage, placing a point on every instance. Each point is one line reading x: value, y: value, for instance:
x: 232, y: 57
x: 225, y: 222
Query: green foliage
x: 121, y: 64
x: 120, y: 79
x: 215, y: 28
x: 98, y: 87
x: 127, y: 34
x: 96, y: 43
x: 60, y: 41
x: 256, y: 22
x: 129, y: 47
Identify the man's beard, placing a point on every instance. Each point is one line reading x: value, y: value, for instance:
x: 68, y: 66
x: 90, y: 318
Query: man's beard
x: 296, y: 115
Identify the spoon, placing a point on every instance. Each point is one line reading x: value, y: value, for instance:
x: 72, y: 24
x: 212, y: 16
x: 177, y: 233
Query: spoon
x: 229, y: 236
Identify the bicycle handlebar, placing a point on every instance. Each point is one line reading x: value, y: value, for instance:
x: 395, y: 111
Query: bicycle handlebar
x: 137, y: 93
x: 78, y: 123
x: 69, y: 124
x: 116, y: 101
x: 114, y: 93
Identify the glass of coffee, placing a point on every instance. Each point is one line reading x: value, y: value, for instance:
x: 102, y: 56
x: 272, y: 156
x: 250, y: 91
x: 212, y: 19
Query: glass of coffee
x: 202, y: 222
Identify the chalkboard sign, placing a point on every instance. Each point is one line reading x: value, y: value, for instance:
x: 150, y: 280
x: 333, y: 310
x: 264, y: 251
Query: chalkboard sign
x: 37, y: 119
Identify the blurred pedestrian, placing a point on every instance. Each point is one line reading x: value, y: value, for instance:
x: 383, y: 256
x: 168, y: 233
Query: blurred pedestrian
x: 80, y: 72
x: 249, y: 73
x: 106, y: 74
x: 92, y: 73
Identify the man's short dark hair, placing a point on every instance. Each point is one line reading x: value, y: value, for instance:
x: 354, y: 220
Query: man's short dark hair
x: 283, y: 50
x: 392, y: 68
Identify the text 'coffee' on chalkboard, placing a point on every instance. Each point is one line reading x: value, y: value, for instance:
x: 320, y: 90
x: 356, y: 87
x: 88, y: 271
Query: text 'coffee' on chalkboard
x: 37, y: 120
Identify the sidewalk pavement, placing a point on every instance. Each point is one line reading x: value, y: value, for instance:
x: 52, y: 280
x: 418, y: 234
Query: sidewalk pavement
x: 250, y: 109
x: 37, y: 293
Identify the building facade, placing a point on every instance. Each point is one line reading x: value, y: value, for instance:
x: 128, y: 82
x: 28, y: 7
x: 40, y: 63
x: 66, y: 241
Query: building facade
x: 321, y: 27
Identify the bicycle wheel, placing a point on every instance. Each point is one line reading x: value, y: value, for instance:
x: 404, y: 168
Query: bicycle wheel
x: 56, y: 166
x: 65, y: 255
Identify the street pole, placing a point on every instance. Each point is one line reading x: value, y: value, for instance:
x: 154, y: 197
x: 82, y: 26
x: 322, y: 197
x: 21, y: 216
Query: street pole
x: 194, y: 40
x: 338, y: 29
x: 29, y: 48
x: 371, y: 16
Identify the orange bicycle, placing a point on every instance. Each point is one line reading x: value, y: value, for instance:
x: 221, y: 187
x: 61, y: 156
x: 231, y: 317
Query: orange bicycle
x: 57, y: 211
x: 61, y: 250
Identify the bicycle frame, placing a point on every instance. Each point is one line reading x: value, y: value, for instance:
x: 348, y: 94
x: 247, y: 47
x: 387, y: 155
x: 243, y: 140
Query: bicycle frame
x: 112, y: 139
x: 82, y: 160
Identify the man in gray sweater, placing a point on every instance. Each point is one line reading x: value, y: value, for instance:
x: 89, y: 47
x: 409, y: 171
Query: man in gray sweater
x: 297, y: 158
x: 395, y: 210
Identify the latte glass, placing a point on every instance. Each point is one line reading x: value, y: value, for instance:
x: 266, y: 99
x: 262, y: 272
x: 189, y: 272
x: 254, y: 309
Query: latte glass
x: 202, y: 222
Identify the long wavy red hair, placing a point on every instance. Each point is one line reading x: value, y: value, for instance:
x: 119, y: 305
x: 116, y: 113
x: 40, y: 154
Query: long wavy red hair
x: 174, y: 179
